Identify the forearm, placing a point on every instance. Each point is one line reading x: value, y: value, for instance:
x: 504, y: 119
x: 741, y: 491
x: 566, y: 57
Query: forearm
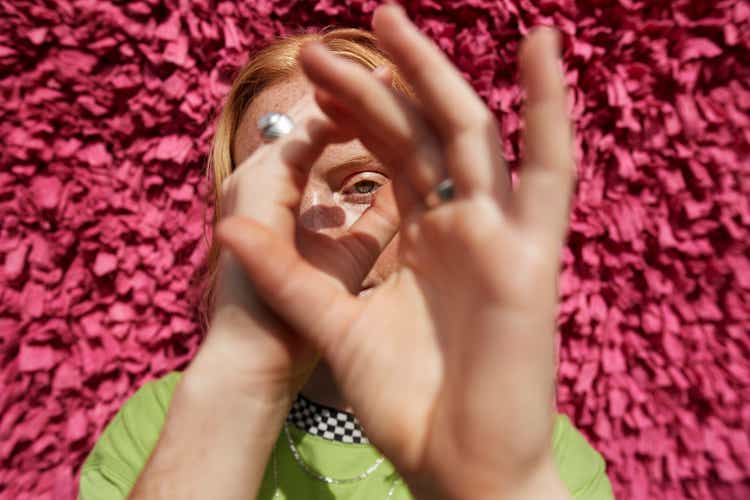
x: 545, y: 484
x: 216, y: 439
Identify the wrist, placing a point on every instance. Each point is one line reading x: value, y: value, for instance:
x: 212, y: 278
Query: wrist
x: 543, y: 481
x: 228, y: 363
x: 214, y: 439
x: 213, y: 375
x: 236, y: 305
x: 246, y: 345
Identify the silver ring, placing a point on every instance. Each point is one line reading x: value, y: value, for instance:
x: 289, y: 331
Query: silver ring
x: 443, y: 192
x: 273, y: 125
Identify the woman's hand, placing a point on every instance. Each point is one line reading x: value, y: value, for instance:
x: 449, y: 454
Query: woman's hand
x: 246, y: 339
x: 251, y: 365
x: 449, y: 364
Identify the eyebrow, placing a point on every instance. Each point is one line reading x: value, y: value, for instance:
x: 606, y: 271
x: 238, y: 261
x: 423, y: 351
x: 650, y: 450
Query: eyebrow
x: 359, y: 161
x: 338, y: 171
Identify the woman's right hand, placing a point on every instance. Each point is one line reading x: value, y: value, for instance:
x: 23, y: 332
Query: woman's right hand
x: 246, y: 341
x: 250, y: 366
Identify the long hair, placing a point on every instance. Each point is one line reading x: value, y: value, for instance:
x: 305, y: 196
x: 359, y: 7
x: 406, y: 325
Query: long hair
x: 274, y: 64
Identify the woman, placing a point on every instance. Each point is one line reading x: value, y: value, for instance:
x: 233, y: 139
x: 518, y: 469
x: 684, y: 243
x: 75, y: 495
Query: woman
x: 439, y: 339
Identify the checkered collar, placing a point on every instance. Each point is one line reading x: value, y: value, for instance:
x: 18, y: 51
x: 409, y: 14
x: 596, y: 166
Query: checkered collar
x: 325, y: 422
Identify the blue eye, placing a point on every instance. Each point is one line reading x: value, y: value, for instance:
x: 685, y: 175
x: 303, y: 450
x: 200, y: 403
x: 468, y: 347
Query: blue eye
x: 366, y: 187
x: 362, y: 187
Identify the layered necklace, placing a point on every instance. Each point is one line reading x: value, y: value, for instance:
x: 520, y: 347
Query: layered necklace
x: 328, y: 423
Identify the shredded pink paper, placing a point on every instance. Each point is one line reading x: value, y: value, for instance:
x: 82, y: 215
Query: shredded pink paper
x: 107, y: 112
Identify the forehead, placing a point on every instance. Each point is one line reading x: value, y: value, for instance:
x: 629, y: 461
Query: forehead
x: 280, y: 97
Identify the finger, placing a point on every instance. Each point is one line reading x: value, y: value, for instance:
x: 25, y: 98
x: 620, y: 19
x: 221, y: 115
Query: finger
x: 386, y: 123
x: 548, y: 171
x: 465, y: 125
x: 312, y: 133
x: 313, y: 303
x: 372, y: 232
x: 341, y: 114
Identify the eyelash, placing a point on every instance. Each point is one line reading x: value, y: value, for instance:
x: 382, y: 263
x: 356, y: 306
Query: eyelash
x: 355, y: 197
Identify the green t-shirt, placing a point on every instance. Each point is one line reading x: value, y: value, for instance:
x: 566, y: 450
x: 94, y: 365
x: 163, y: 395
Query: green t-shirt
x: 115, y: 462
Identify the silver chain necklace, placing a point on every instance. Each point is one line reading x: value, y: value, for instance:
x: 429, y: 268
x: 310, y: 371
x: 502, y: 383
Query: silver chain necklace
x: 320, y: 477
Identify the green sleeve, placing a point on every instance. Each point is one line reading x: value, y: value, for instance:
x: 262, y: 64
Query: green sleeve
x: 113, y: 465
x: 581, y: 467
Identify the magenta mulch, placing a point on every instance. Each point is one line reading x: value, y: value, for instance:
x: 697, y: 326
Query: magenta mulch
x: 107, y: 111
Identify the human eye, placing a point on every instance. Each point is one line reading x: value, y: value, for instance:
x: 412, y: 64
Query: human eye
x: 361, y: 187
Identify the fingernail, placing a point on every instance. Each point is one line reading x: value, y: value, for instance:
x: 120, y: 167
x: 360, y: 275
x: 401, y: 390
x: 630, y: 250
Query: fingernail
x: 548, y: 32
x: 398, y: 6
x: 303, y: 48
x: 557, y: 40
x: 401, y: 12
x: 312, y: 44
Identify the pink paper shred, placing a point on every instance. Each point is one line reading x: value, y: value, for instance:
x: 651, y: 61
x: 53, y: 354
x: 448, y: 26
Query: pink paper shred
x: 107, y: 111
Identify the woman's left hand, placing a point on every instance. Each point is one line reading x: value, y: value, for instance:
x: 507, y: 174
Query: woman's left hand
x: 449, y: 364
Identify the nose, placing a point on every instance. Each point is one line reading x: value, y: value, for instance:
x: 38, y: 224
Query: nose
x: 318, y: 212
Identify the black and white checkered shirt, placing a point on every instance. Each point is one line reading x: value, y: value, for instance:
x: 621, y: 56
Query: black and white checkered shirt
x: 326, y: 422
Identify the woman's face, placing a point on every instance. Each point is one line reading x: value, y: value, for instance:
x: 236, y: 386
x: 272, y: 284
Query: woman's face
x: 341, y: 183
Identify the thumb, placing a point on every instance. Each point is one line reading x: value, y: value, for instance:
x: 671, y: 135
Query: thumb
x: 313, y: 303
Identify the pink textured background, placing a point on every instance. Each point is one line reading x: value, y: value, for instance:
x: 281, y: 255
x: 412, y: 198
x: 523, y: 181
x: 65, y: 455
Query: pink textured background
x: 106, y: 117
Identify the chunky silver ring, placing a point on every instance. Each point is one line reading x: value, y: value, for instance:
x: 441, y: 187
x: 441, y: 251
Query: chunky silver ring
x: 273, y: 125
x: 444, y: 191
